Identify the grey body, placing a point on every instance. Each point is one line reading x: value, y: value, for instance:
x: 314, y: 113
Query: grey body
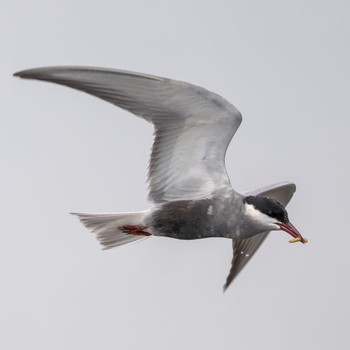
x: 222, y: 215
x: 199, y: 219
x: 189, y: 189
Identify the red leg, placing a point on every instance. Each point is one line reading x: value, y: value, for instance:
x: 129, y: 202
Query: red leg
x: 134, y: 230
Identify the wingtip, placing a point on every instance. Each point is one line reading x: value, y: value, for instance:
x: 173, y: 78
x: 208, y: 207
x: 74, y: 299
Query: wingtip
x: 17, y: 74
x: 37, y: 73
x: 78, y: 215
x: 226, y: 285
x: 34, y: 73
x: 25, y: 74
x: 46, y: 73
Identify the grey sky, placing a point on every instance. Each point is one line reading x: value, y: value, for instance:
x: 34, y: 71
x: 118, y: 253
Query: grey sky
x: 284, y: 65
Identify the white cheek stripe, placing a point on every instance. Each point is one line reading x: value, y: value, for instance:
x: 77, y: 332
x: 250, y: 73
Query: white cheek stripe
x: 258, y: 215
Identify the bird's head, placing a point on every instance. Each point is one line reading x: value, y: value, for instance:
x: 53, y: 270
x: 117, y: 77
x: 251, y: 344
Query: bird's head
x: 271, y: 215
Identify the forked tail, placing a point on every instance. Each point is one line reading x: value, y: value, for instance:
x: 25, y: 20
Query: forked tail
x: 116, y: 229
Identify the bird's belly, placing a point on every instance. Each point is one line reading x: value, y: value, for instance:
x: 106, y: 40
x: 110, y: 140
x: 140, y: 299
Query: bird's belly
x: 191, y: 220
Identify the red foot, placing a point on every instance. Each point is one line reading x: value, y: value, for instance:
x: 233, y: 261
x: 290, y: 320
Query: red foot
x: 134, y: 230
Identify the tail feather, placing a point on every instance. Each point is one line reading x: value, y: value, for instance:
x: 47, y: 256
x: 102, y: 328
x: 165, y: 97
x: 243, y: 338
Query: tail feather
x: 115, y: 229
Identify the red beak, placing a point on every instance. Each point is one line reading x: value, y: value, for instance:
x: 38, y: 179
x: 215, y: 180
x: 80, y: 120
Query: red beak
x: 289, y: 228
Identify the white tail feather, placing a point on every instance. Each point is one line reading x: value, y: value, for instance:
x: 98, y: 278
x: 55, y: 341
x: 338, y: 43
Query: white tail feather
x: 107, y: 227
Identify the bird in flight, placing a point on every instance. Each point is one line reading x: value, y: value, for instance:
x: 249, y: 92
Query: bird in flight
x: 189, y: 188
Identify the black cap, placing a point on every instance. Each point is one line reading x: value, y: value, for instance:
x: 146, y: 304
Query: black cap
x: 269, y: 207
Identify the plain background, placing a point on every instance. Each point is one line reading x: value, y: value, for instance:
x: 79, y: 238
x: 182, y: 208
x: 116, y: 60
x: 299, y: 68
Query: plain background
x: 285, y: 65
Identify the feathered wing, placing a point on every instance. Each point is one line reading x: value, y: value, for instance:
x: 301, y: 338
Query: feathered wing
x: 244, y: 249
x: 193, y: 126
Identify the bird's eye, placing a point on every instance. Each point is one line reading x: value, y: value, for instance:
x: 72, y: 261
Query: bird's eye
x: 280, y: 216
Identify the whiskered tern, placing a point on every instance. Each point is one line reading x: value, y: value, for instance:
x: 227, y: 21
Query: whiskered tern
x: 189, y: 188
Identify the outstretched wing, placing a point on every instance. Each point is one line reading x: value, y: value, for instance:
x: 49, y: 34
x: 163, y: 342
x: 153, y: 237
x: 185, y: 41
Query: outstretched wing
x: 193, y: 126
x: 244, y: 249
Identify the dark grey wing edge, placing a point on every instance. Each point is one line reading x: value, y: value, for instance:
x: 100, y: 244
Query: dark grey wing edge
x: 244, y: 249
